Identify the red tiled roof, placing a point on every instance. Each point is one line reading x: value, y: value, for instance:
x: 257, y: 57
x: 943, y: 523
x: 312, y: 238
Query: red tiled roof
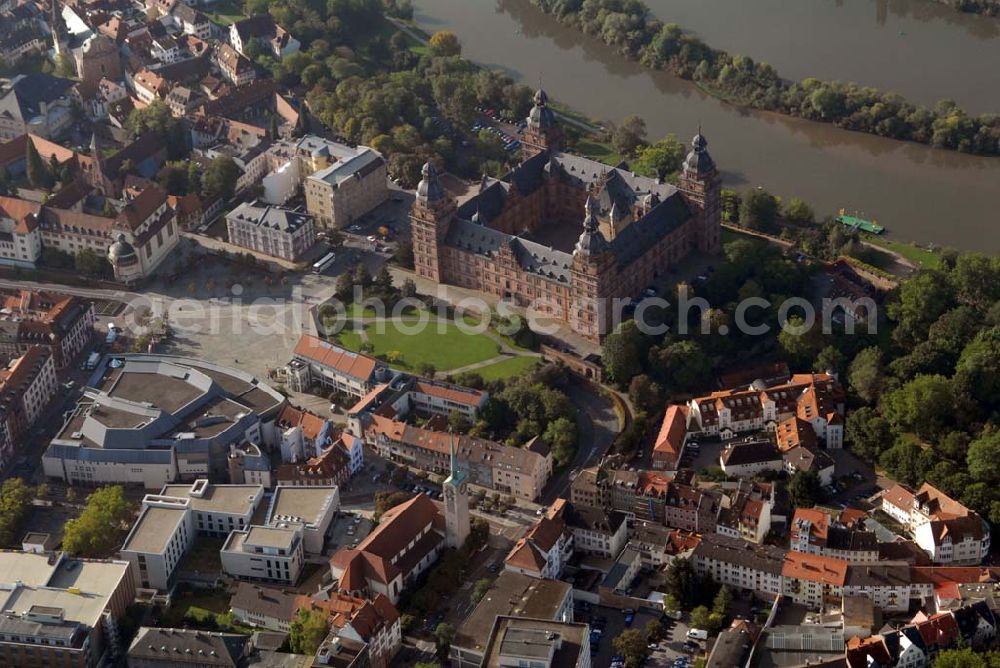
x: 815, y: 568
x: 670, y: 440
x: 327, y: 354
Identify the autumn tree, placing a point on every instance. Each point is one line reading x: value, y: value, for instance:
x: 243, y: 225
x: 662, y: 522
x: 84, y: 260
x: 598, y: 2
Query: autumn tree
x: 445, y: 43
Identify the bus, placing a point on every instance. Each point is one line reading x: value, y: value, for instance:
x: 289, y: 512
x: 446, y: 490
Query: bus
x: 324, y: 263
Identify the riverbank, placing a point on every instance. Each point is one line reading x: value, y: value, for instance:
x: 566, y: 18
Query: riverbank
x: 981, y: 7
x: 742, y: 81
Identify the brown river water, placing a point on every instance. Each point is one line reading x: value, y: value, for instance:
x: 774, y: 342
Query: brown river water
x: 914, y: 47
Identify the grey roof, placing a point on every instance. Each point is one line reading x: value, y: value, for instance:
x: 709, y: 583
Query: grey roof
x: 83, y: 454
x: 197, y: 647
x: 430, y: 189
x: 269, y: 216
x: 716, y: 547
x: 698, y: 161
x: 612, y: 186
x: 536, y: 258
x: 540, y: 116
x: 29, y: 91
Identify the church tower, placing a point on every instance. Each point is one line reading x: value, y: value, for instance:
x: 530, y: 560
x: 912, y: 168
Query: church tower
x: 56, y: 28
x: 456, y: 504
x: 430, y: 218
x: 543, y: 132
x: 702, y: 190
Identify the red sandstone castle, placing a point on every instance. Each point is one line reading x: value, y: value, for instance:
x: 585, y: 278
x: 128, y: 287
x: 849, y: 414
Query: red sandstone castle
x: 506, y: 239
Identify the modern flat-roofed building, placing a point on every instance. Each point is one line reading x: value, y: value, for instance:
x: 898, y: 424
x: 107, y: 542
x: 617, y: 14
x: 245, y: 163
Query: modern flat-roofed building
x: 264, y: 553
x: 272, y: 230
x: 311, y: 508
x: 542, y: 643
x: 156, y: 419
x: 218, y: 509
x: 59, y: 611
x: 511, y: 593
x: 158, y: 541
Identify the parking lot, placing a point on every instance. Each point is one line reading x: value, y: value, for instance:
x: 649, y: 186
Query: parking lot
x: 612, y: 623
x: 348, y: 530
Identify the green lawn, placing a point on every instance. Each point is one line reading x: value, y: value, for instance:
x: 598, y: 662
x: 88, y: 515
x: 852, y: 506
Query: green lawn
x: 209, y: 609
x: 921, y: 257
x: 595, y: 150
x: 226, y: 12
x: 512, y: 366
x: 446, y: 349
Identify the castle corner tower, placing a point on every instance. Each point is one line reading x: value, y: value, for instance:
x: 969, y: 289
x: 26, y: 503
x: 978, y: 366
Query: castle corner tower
x: 456, y: 504
x: 430, y: 217
x: 702, y: 189
x: 543, y: 133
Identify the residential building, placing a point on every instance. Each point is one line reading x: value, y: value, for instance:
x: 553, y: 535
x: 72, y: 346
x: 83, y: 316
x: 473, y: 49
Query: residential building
x: 815, y: 398
x: 60, y: 324
x: 310, y: 508
x: 332, y: 467
x: 407, y: 540
x: 20, y: 34
x: 264, y: 607
x: 190, y: 21
x: 299, y: 434
x: 510, y: 594
x: 375, y: 623
x: 265, y: 553
x: 262, y: 29
x: 596, y: 531
x: 36, y: 103
x: 271, y: 230
x: 169, y: 648
x: 545, y: 548
x: 815, y: 533
x: 659, y: 545
x: 60, y: 611
x: 669, y: 445
x: 739, y: 564
x: 235, y: 67
x: 633, y: 228
x: 155, y: 419
x: 886, y: 583
x: 520, y: 472
x: 516, y: 641
x: 745, y: 460
x: 946, y: 530
x: 813, y: 580
x: 745, y: 514
x: 620, y: 577
x: 353, y: 183
x: 149, y: 86
x: 248, y: 464
x: 27, y: 386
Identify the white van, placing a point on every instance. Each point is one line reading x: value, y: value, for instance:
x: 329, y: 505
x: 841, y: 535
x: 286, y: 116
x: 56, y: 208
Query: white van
x: 697, y: 634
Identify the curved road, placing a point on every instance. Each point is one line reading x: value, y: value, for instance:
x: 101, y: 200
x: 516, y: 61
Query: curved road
x: 597, y: 426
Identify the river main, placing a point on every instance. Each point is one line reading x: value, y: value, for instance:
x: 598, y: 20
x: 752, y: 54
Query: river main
x: 918, y: 193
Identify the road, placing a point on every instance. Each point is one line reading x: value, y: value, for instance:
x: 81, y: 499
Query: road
x: 597, y: 426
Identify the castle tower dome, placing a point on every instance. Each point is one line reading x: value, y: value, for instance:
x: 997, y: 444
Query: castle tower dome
x: 430, y: 190
x: 698, y: 162
x: 591, y: 242
x: 543, y: 132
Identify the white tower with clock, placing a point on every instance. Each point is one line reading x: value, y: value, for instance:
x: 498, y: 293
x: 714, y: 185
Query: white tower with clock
x: 456, y: 504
